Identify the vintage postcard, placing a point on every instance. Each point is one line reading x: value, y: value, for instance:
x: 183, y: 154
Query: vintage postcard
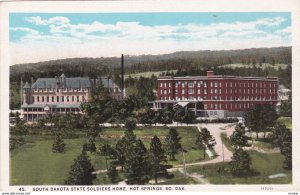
x: 149, y: 96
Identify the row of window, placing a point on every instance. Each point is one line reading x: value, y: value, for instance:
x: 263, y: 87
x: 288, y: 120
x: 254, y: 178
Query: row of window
x: 220, y: 98
x: 58, y: 98
x: 219, y: 91
x: 52, y: 110
x: 219, y: 84
x: 61, y: 89
x: 229, y: 106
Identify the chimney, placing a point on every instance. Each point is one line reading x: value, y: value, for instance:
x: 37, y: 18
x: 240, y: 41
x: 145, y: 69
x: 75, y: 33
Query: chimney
x: 210, y: 73
x: 122, y: 75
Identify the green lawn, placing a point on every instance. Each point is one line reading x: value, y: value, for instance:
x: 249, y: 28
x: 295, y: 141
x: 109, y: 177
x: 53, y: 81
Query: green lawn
x: 35, y: 164
x: 265, y: 164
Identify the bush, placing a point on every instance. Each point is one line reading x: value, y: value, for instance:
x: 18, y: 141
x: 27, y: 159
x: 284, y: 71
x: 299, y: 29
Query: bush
x: 218, y: 120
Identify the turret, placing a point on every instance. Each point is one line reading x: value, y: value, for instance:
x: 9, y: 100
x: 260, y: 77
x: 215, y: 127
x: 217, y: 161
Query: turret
x: 26, y: 94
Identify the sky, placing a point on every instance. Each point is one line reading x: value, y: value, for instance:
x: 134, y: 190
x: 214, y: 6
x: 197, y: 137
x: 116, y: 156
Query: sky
x: 38, y: 37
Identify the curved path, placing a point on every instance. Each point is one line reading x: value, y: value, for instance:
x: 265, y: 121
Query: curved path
x: 224, y: 155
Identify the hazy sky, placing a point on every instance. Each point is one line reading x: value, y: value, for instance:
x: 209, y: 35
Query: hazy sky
x: 38, y: 36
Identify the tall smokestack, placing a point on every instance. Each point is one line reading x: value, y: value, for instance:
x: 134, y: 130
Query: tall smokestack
x: 122, y: 75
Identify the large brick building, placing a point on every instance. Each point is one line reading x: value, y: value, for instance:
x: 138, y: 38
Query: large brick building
x: 60, y: 95
x: 216, y: 95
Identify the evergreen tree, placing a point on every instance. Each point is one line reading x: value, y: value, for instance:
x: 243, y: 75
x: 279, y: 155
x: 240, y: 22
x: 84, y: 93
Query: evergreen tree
x: 172, y: 143
x: 286, y: 151
x: 205, y: 140
x: 107, y: 151
x: 124, y: 146
x: 112, y: 173
x: 240, y: 163
x: 158, y: 159
x: 137, y: 167
x: 238, y: 138
x: 58, y: 145
x: 189, y: 117
x: 81, y: 171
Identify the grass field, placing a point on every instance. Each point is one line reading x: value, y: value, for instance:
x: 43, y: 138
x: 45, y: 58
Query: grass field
x: 35, y: 164
x: 265, y: 164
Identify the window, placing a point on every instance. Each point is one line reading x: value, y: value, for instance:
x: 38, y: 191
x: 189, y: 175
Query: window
x: 216, y: 113
x: 216, y: 91
x: 220, y: 84
x: 190, y: 84
x: 72, y: 98
x: 216, y: 107
x: 165, y: 91
x: 68, y: 99
x: 205, y: 106
x: 176, y: 91
x: 216, y: 84
x: 205, y: 84
x: 47, y: 98
x: 191, y: 91
x: 220, y: 106
x: 183, y: 84
x: 52, y: 98
x: 38, y: 98
x: 198, y: 84
x: 220, y: 91
x: 62, y: 98
x: 77, y: 98
x: 226, y: 85
x: 182, y: 91
x: 169, y: 84
x: 191, y: 97
x: 211, y: 84
x: 169, y: 91
x: 161, y: 91
x: 198, y: 91
x: 161, y: 84
x: 165, y: 84
x: 205, y: 91
x: 211, y: 106
x: 43, y: 99
x: 230, y: 84
x: 57, y: 99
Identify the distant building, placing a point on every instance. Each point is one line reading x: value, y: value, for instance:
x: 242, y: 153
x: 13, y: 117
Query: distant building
x: 60, y: 95
x: 216, y: 95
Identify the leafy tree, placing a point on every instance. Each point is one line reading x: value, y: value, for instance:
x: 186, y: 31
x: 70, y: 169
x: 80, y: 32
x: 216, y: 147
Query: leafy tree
x: 238, y: 138
x: 260, y: 118
x: 286, y: 107
x: 189, y: 117
x: 58, y: 145
x: 112, y: 173
x: 158, y: 159
x: 278, y: 134
x: 148, y: 117
x: 240, y: 164
x: 172, y: 143
x: 137, y: 167
x: 167, y: 116
x: 81, y: 172
x: 179, y: 114
x: 205, y: 140
x: 130, y: 123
